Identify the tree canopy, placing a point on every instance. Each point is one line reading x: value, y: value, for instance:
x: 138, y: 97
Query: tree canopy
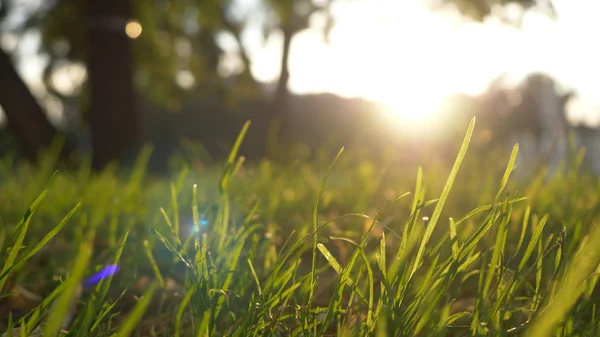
x: 183, y: 39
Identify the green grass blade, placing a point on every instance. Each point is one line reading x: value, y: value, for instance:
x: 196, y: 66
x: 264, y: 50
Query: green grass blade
x: 371, y: 285
x: 330, y: 258
x: 21, y: 229
x: 41, y: 243
x: 471, y: 243
x: 255, y: 277
x: 523, y: 230
x: 168, y: 222
x: 570, y: 289
x: 170, y: 247
x: 153, y: 263
x: 382, y: 255
x: 315, y: 227
x: 443, y: 197
x: 180, y: 311
x: 533, y: 242
x: 498, y: 249
x: 455, y: 247
x: 175, y: 207
x: 72, y: 290
x: 235, y: 256
x: 134, y: 318
x: 203, y: 330
x: 232, y: 156
x: 418, y: 187
x: 509, y: 168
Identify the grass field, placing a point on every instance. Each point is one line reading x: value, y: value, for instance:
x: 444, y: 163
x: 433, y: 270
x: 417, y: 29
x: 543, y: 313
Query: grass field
x: 337, y: 248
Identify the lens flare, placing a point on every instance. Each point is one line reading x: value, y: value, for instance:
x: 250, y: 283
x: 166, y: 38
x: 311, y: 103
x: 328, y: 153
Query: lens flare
x: 133, y: 29
x: 105, y: 272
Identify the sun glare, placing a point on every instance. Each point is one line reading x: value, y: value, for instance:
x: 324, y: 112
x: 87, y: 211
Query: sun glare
x: 411, y: 59
x: 402, y: 55
x: 423, y: 57
x: 417, y: 79
x: 413, y: 109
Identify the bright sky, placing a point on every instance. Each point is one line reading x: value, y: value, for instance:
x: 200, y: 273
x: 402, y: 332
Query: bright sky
x: 398, y: 53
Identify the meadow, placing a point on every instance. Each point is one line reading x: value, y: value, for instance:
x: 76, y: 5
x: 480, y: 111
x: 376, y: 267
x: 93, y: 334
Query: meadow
x: 335, y: 246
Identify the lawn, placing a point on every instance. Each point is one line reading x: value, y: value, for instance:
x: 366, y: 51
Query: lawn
x: 335, y: 246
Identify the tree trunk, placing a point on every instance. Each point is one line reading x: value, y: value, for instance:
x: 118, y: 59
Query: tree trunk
x: 115, y: 122
x: 273, y: 126
x: 26, y: 118
x: 282, y: 93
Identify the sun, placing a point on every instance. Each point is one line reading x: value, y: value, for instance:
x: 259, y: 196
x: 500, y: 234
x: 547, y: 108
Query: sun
x: 414, y: 115
x: 407, y: 60
x: 425, y: 57
x: 417, y: 106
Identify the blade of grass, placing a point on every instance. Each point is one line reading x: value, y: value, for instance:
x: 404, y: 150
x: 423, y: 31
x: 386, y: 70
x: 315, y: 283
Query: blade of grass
x: 570, y: 289
x: 21, y: 229
x: 41, y: 244
x: 153, y: 263
x: 371, y: 285
x: 132, y: 321
x: 170, y: 247
x: 175, y: 207
x: 443, y: 197
x: 229, y: 166
x: 509, y: 168
x: 315, y: 227
x: 533, y: 242
x: 330, y: 258
x: 454, y: 240
x: 255, y: 277
x: 235, y: 256
x: 180, y: 311
x: 523, y: 231
x: 71, y: 292
x: 203, y: 330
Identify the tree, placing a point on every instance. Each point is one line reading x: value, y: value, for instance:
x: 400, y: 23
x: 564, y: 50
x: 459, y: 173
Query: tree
x: 25, y: 116
x: 98, y: 40
x: 291, y: 17
x: 115, y: 121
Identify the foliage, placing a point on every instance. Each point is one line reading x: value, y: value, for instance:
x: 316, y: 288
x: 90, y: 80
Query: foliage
x: 183, y: 36
x: 174, y: 30
x: 479, y: 10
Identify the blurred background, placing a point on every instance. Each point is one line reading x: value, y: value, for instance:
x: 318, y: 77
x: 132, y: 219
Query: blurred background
x: 385, y: 78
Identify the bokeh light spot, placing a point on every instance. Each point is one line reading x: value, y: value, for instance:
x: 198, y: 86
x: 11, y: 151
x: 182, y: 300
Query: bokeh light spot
x: 133, y: 29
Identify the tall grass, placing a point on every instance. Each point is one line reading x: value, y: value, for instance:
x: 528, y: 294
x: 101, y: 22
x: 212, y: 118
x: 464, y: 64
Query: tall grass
x: 321, y: 249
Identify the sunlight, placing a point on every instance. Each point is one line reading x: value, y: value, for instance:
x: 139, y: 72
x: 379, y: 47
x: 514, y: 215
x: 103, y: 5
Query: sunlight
x: 410, y: 59
x: 411, y: 74
x: 415, y: 109
x: 402, y: 55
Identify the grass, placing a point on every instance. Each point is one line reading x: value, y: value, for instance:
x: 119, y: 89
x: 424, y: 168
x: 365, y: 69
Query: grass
x: 322, y: 248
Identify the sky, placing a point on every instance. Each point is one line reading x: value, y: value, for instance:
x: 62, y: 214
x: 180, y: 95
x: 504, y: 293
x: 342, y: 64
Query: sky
x: 399, y: 53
